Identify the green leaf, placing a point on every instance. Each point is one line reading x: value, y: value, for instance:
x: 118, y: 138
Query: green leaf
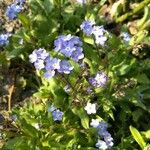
x: 59, y: 95
x: 89, y: 40
x: 146, y: 134
x: 83, y: 116
x: 138, y: 37
x: 137, y: 136
x: 114, y: 42
x: 3, y: 59
x: 124, y: 67
x: 142, y: 78
x: 147, y: 147
x: 29, y: 129
x: 16, y: 143
x: 49, y: 5
x: 24, y: 20
x: 15, y: 52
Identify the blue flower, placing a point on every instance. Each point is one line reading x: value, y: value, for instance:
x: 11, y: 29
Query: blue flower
x: 49, y: 74
x: 4, y: 39
x: 39, y: 64
x: 20, y: 2
x: 38, y: 57
x: 70, y: 46
x: 13, y: 10
x: 92, y: 81
x: 65, y: 67
x: 99, y: 34
x: 108, y: 139
x: 58, y: 43
x: 52, y: 63
x: 98, y: 31
x: 103, y: 133
x: 77, y: 54
x: 102, y: 126
x: 99, y: 80
x: 87, y: 27
x: 41, y: 53
x: 68, y: 50
x: 57, y: 115
x: 126, y: 36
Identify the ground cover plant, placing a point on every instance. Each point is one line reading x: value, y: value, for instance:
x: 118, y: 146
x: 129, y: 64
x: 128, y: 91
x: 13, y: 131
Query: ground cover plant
x: 82, y: 67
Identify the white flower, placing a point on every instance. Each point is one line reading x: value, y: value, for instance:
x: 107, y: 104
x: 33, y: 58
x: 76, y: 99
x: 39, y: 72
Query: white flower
x: 90, y: 108
x: 36, y: 125
x: 51, y: 108
x: 33, y: 57
x: 94, y: 123
x: 101, y: 145
x: 81, y: 1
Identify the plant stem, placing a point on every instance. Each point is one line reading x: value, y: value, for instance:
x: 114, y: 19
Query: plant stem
x: 97, y: 49
x: 134, y: 11
x: 11, y: 89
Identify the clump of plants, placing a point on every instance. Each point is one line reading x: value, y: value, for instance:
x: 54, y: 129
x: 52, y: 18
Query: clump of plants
x: 91, y: 85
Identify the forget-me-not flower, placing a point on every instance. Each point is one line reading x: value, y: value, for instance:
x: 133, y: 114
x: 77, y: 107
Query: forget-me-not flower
x: 90, y: 108
x: 4, y: 39
x: 70, y: 46
x: 81, y: 1
x: 98, y: 32
x: 52, y: 63
x: 99, y: 80
x: 65, y: 67
x: 57, y: 115
x: 101, y: 145
x: 49, y: 74
x: 13, y: 10
x: 38, y: 57
x: 126, y: 36
x: 87, y: 27
x: 94, y: 123
x: 20, y: 2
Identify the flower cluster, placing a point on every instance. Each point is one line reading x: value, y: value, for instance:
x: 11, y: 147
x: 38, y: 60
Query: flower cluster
x: 54, y: 64
x: 38, y: 57
x: 89, y: 28
x: 56, y: 113
x: 107, y: 141
x: 99, y: 80
x: 70, y: 46
x: 14, y: 9
x: 42, y: 60
x: 4, y: 39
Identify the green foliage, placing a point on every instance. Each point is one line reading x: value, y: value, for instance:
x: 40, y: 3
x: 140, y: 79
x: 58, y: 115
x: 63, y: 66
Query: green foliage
x: 137, y: 137
x: 122, y: 102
